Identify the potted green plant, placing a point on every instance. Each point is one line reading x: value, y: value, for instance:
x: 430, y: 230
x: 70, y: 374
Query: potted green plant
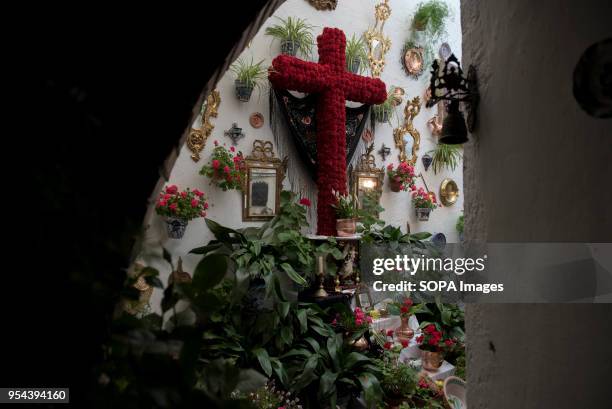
x: 248, y: 76
x: 226, y: 169
x: 459, y: 227
x: 445, y: 156
x: 356, y: 55
x: 179, y: 207
x: 398, y: 381
x: 383, y: 112
x: 294, y: 35
x: 430, y: 16
x: 346, y: 210
x: 424, y: 202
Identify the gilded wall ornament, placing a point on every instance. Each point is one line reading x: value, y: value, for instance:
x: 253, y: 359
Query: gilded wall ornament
x: 323, y: 4
x: 378, y: 43
x: 449, y: 192
x: 407, y: 138
x: 197, y: 137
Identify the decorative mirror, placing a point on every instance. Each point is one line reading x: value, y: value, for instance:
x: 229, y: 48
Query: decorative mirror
x: 407, y: 138
x: 413, y: 60
x: 378, y: 43
x: 263, y: 184
x: 449, y: 192
x: 324, y: 4
x: 197, y: 137
x: 367, y: 177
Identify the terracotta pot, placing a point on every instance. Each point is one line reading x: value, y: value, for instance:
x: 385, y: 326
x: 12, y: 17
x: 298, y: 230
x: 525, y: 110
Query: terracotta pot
x: 346, y: 227
x: 431, y: 361
x: 404, y: 332
x: 422, y: 213
x: 395, y: 185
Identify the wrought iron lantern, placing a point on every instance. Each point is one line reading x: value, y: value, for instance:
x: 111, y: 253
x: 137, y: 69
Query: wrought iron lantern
x: 449, y: 84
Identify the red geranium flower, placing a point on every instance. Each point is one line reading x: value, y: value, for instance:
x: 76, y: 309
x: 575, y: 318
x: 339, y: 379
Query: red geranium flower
x: 388, y: 345
x: 390, y: 333
x: 305, y: 202
x: 405, y: 343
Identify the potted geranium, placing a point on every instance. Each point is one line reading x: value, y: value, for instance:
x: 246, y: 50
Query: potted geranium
x: 248, y: 76
x: 354, y: 324
x: 179, y: 207
x: 294, y: 35
x: 402, y: 177
x: 424, y: 202
x: 434, y: 345
x: 404, y: 333
x: 226, y: 169
x: 346, y: 210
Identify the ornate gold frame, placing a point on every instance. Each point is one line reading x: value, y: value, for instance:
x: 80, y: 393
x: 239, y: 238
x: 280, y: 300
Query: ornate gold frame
x: 367, y: 169
x: 411, y: 110
x: 323, y: 4
x: 262, y: 157
x: 197, y: 137
x: 375, y: 33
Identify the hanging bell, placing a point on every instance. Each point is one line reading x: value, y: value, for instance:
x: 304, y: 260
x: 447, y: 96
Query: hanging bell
x: 454, y: 130
x: 426, y: 159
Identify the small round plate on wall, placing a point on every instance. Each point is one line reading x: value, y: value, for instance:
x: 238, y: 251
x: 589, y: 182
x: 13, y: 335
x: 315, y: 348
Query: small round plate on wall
x: 256, y: 120
x: 449, y: 192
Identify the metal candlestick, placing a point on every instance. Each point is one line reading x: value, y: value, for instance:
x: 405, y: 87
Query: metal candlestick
x: 321, y: 293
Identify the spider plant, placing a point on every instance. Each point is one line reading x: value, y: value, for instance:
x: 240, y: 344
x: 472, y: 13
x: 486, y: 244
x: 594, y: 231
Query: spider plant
x: 445, y: 156
x: 356, y: 55
x: 430, y: 17
x: 294, y: 35
x: 248, y: 76
x: 384, y: 112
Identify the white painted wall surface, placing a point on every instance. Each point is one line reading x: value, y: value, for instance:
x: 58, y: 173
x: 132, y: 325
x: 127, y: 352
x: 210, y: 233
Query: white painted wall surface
x: 353, y: 17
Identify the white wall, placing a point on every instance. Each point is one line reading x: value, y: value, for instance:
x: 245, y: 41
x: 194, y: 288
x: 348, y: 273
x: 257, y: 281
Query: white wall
x: 353, y: 17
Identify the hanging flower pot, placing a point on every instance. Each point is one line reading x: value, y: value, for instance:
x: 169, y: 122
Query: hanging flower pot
x: 176, y: 227
x: 346, y: 227
x: 355, y: 66
x: 243, y: 90
x: 431, y: 361
x: 422, y: 213
x: 289, y: 47
x: 178, y: 207
x: 395, y: 185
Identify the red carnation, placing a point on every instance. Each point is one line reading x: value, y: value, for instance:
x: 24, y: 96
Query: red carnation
x: 404, y: 343
x: 390, y: 333
x: 172, y: 189
x: 404, y: 309
x: 388, y: 345
x: 305, y: 202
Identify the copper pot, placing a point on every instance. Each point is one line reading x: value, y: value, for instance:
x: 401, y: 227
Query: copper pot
x: 404, y: 332
x: 431, y: 361
x: 346, y: 227
x: 360, y: 344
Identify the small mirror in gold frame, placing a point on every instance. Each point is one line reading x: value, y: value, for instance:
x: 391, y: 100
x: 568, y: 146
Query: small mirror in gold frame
x: 263, y: 184
x: 407, y: 137
x: 366, y: 177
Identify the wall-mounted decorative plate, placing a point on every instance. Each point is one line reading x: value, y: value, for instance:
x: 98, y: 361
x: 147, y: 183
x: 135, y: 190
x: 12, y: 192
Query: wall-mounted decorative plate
x: 449, y: 192
x: 256, y: 120
x: 413, y: 60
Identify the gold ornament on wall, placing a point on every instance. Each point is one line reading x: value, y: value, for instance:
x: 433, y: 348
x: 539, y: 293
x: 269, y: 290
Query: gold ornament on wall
x: 197, y: 137
x: 407, y: 138
x: 323, y: 4
x: 378, y: 43
x: 449, y: 192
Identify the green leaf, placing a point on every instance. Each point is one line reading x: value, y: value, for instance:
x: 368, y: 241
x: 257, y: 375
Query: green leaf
x: 293, y: 274
x: 313, y: 344
x: 302, y: 317
x: 421, y: 236
x: 167, y: 256
x: 206, y: 249
x: 333, y: 347
x: 287, y: 334
x: 149, y: 272
x: 327, y: 383
x: 264, y: 360
x: 256, y: 247
x: 154, y: 281
x: 280, y: 371
x: 371, y: 388
x: 210, y: 271
x: 354, y: 358
x: 283, y: 308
